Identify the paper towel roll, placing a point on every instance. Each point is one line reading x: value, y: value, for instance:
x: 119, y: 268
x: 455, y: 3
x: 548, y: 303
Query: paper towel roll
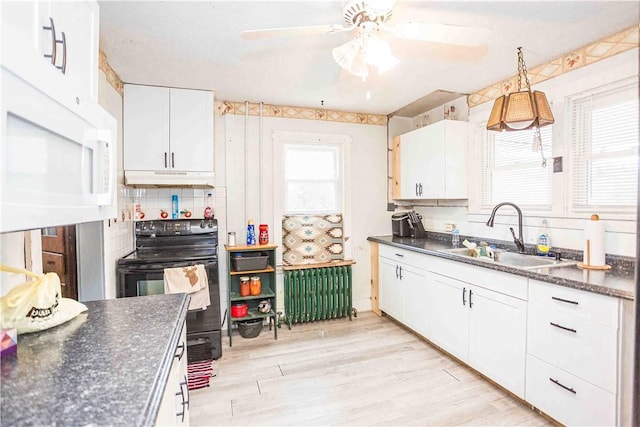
x: 594, y: 243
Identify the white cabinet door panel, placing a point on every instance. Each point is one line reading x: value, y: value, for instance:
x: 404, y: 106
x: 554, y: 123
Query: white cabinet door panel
x: 191, y: 130
x: 390, y: 298
x: 417, y: 299
x: 146, y: 128
x: 585, y: 349
x: 497, y: 338
x: 568, y: 399
x: 450, y: 305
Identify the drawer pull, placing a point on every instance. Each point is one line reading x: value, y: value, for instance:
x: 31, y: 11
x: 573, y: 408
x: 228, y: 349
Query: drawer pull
x: 563, y: 327
x: 556, y: 382
x: 400, y: 255
x: 181, y: 348
x: 565, y: 300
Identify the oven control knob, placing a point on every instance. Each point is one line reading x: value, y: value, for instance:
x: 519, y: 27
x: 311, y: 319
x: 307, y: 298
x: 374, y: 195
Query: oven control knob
x: 210, y: 225
x: 202, y: 224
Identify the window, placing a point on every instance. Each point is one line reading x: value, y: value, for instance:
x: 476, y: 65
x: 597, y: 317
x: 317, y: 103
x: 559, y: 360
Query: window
x: 512, y: 171
x: 604, y: 148
x: 313, y: 178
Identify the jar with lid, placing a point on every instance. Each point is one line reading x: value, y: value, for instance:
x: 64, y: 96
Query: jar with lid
x: 255, y: 285
x: 245, y: 288
x: 263, y: 237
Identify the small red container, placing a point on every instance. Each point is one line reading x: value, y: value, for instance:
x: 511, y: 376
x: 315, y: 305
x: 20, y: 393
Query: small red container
x: 239, y: 310
x: 263, y: 237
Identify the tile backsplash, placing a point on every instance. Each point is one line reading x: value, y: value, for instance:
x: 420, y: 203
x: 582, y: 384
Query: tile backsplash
x: 153, y: 201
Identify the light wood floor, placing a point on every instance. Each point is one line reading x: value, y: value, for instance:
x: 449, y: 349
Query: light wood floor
x: 367, y: 372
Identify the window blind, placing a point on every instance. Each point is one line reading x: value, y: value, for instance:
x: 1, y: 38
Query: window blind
x: 512, y: 171
x: 604, y: 148
x: 312, y: 178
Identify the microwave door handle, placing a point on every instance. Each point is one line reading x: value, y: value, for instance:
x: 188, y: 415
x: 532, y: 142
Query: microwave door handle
x: 104, y: 198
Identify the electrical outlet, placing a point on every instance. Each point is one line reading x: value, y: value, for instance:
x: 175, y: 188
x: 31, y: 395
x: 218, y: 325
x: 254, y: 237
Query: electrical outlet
x: 449, y: 227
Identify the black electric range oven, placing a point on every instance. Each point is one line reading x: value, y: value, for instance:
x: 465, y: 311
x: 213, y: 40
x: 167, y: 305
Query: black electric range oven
x: 177, y: 243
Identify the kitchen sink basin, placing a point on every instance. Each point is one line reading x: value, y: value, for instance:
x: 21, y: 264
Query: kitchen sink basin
x: 513, y: 259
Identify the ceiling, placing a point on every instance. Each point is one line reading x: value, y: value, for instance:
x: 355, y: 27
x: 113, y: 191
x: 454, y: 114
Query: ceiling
x: 197, y: 45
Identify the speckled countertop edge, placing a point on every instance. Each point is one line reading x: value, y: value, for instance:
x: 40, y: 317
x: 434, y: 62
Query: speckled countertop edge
x: 435, y: 249
x: 153, y: 405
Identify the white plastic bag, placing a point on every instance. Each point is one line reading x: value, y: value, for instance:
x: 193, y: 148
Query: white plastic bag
x: 36, y: 305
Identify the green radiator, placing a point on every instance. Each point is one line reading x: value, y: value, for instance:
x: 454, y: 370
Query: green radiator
x: 314, y: 294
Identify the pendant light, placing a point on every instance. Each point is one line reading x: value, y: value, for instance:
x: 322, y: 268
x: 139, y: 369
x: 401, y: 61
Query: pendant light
x: 524, y: 109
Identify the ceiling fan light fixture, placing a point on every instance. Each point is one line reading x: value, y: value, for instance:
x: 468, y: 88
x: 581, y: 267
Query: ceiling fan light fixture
x: 524, y: 109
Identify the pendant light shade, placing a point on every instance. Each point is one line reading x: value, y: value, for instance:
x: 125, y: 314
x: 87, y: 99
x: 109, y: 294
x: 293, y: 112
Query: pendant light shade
x: 524, y: 109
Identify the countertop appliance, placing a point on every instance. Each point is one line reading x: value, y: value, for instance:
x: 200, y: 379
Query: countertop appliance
x: 177, y: 243
x: 407, y: 224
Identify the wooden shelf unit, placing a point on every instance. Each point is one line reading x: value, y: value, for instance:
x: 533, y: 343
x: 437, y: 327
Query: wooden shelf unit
x: 268, y: 285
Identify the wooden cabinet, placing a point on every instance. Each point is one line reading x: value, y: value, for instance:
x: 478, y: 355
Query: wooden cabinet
x: 53, y: 45
x: 267, y: 277
x: 168, y: 129
x: 431, y: 162
x: 174, y: 406
x: 572, y: 361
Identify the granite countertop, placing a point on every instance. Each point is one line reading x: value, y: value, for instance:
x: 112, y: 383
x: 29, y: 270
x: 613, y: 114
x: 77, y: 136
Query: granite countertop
x: 618, y: 282
x: 107, y: 366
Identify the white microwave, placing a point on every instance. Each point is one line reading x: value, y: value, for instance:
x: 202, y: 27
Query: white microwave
x: 56, y: 167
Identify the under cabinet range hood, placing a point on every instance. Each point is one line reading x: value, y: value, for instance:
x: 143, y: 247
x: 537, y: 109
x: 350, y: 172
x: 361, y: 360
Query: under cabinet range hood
x: 169, y: 179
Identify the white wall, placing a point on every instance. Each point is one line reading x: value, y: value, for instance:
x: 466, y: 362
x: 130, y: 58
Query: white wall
x: 566, y: 230
x: 252, y: 197
x: 118, y: 232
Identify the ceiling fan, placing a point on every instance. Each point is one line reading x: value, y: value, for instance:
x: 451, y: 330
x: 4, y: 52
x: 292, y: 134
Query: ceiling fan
x: 368, y: 18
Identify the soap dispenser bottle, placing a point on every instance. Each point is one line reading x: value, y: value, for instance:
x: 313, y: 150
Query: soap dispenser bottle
x: 544, y: 242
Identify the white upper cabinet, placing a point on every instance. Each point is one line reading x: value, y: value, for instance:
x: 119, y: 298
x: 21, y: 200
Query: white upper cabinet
x: 167, y: 129
x: 433, y: 162
x: 53, y: 45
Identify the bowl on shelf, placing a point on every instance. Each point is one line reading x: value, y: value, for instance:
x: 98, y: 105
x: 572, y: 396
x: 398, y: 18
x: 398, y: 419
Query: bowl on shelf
x: 250, y: 328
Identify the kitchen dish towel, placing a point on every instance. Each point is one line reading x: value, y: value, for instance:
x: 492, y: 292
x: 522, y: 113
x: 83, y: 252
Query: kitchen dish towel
x: 594, y: 243
x: 191, y: 280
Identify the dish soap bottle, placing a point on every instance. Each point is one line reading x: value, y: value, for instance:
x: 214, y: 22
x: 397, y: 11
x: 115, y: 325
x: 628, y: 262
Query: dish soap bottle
x: 544, y: 242
x: 251, y: 233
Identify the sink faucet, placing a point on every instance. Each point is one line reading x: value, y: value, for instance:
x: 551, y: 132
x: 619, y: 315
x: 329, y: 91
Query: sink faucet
x: 517, y: 240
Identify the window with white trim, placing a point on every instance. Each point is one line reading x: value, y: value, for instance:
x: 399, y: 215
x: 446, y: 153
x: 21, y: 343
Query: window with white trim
x: 603, y: 134
x: 313, y: 178
x: 512, y: 170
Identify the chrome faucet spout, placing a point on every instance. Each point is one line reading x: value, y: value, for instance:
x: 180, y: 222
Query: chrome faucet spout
x: 517, y: 240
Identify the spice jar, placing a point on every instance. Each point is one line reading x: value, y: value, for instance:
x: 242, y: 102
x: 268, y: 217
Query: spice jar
x: 255, y: 285
x: 244, y: 286
x: 263, y: 237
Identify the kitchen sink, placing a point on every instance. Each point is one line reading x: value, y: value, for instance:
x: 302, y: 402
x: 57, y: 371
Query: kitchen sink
x: 513, y: 259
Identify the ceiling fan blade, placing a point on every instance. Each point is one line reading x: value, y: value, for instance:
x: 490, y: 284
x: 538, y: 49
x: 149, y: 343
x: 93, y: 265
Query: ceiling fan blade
x: 293, y: 31
x: 441, y: 33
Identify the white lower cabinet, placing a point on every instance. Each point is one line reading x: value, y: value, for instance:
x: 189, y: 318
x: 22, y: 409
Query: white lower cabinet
x: 404, y: 291
x: 484, y: 328
x: 572, y: 361
x: 174, y: 406
x: 567, y: 398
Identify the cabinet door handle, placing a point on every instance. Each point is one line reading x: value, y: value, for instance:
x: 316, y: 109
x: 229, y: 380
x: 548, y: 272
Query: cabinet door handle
x: 173, y: 160
x: 400, y: 272
x: 564, y: 300
x: 420, y: 189
x: 165, y: 159
x: 464, y: 296
x: 470, y: 302
x: 181, y: 348
x: 416, y: 188
x: 63, y: 67
x: 556, y: 382
x: 563, y: 327
x: 397, y: 266
x: 54, y: 41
